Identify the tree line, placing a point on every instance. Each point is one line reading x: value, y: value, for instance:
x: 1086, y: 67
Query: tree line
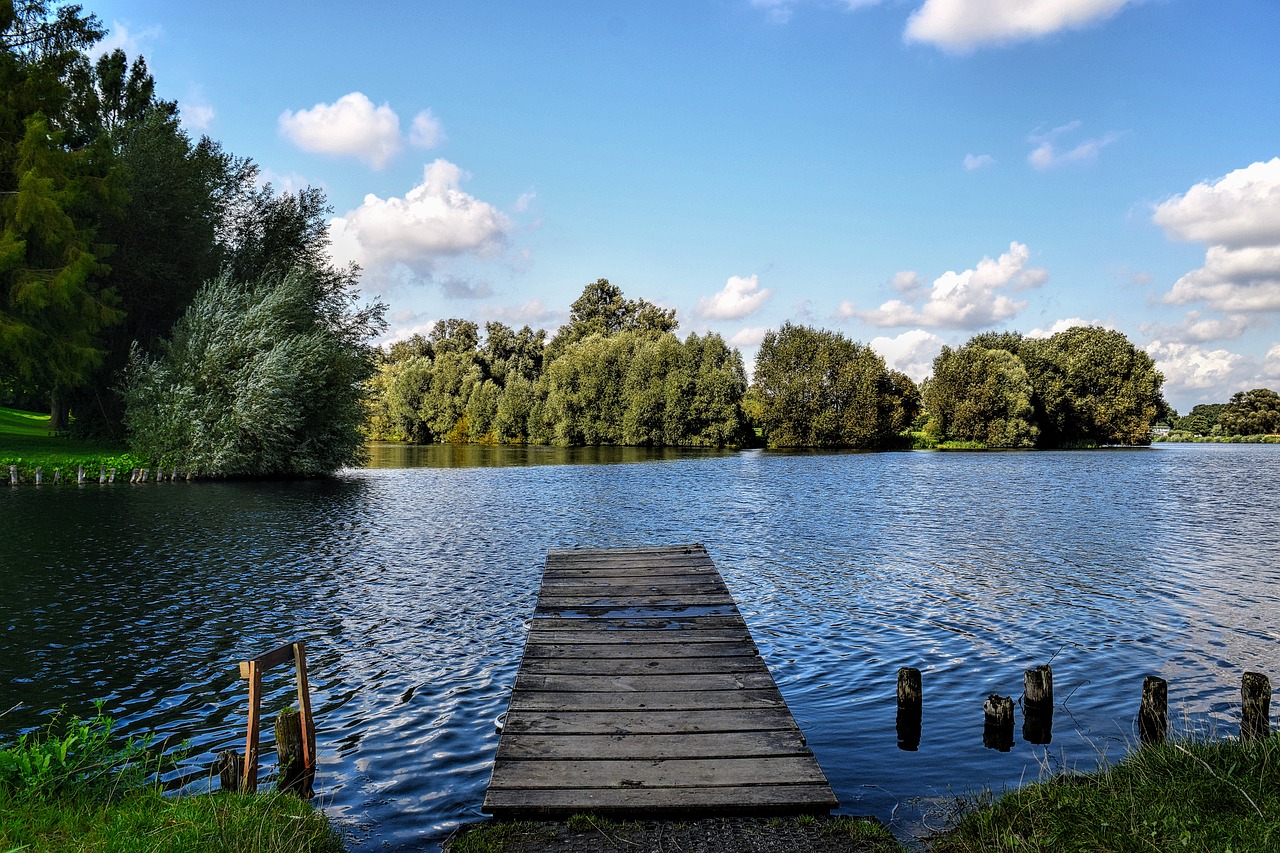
x: 122, y: 237
x: 1247, y: 413
x: 618, y: 374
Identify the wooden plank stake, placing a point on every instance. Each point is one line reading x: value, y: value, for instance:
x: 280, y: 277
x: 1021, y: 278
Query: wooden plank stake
x: 1153, y: 714
x: 13, y: 475
x: 111, y: 476
x: 80, y: 475
x: 304, y: 712
x: 1255, y: 700
x: 910, y: 708
x: 102, y: 475
x: 249, y: 781
x: 39, y: 473
x: 997, y: 726
x: 1037, y: 705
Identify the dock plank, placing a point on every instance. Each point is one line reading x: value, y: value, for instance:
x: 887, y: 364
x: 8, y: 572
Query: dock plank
x: 641, y: 691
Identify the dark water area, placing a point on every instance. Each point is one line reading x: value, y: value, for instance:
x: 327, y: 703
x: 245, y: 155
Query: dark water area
x: 412, y: 582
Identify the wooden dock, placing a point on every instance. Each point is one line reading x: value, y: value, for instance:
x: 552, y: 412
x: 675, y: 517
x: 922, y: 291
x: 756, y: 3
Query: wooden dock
x: 641, y: 690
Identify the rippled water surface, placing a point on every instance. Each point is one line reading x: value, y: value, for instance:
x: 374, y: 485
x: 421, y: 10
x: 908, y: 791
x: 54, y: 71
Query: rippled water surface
x: 412, y: 586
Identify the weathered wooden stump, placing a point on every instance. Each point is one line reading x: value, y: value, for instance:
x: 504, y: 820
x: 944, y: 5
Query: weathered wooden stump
x: 1037, y: 705
x: 111, y: 475
x: 997, y: 724
x: 910, y: 708
x: 1153, y: 714
x: 13, y: 475
x: 1255, y: 706
x: 294, y: 775
x: 57, y: 476
x: 230, y: 769
x: 102, y: 475
x: 80, y: 474
x: 39, y: 474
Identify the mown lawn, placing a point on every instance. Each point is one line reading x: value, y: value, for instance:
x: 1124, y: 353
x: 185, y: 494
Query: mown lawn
x: 27, y: 442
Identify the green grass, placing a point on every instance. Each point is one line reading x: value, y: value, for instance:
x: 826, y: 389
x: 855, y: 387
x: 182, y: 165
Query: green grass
x: 1178, y: 796
x: 73, y: 788
x: 147, y: 820
x: 498, y: 836
x: 26, y: 441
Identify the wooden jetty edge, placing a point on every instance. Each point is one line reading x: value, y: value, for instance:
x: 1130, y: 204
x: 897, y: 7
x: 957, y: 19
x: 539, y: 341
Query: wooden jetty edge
x: 641, y: 691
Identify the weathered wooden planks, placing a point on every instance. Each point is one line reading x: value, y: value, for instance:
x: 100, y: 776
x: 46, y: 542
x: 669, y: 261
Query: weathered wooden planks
x: 640, y: 690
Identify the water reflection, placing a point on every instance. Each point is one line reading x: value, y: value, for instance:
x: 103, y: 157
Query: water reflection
x: 412, y: 586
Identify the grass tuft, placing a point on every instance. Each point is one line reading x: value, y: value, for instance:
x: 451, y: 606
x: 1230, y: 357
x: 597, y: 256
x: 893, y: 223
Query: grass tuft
x: 1177, y: 796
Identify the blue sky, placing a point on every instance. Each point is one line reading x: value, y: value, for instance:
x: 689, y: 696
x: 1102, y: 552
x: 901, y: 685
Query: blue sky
x: 909, y: 172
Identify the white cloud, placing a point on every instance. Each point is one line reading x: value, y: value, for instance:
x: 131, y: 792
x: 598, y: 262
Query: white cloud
x: 131, y: 42
x: 1187, y: 367
x: 1238, y: 210
x: 776, y: 11
x: 351, y: 126
x: 1197, y: 329
x: 1238, y: 215
x: 974, y: 162
x: 738, y: 298
x: 749, y: 337
x: 960, y: 26
x: 1062, y: 325
x: 532, y: 313
x: 404, y: 239
x: 970, y: 299
x: 425, y: 131
x: 282, y: 183
x: 1270, y: 373
x: 197, y: 112
x: 911, y: 352
x: 1048, y: 155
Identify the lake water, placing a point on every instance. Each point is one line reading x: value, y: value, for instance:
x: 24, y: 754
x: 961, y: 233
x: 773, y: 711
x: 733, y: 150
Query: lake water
x: 412, y: 583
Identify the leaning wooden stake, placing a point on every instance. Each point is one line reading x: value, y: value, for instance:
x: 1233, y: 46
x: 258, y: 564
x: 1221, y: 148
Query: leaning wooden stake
x: 1255, y: 700
x: 1153, y: 715
x: 910, y: 708
x: 997, y: 724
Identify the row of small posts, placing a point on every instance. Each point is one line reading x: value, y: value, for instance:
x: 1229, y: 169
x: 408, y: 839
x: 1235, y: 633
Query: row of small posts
x: 105, y: 475
x: 295, y: 730
x: 1037, y: 710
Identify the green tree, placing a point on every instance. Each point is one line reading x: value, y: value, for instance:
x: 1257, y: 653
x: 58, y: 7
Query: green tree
x: 258, y: 379
x: 1255, y: 412
x: 1201, y: 419
x: 816, y: 388
x: 981, y: 395
x: 1093, y: 387
x: 603, y: 310
x: 54, y: 309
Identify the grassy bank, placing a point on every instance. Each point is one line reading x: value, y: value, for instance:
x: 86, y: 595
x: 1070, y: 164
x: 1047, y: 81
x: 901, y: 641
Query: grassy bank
x: 1178, y: 796
x: 27, y: 441
x: 73, y: 787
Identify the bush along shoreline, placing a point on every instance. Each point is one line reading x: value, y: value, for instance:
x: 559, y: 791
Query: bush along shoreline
x: 71, y: 786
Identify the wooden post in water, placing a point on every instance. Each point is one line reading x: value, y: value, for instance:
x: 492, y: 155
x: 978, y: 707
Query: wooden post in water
x: 57, y: 476
x: 1255, y: 706
x: 292, y: 754
x: 997, y: 724
x: 39, y: 474
x: 1037, y: 705
x: 13, y: 475
x: 910, y: 708
x: 1153, y: 714
x: 230, y: 768
x: 253, y: 670
x: 111, y: 476
x: 80, y: 475
x: 102, y: 475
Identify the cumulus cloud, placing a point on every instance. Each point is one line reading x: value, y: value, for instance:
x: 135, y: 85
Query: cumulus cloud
x: 121, y: 36
x: 351, y: 126
x: 1188, y: 367
x: 960, y: 26
x: 1048, y: 154
x: 197, y: 112
x: 911, y: 352
x: 404, y: 239
x: 964, y: 300
x: 1195, y: 328
x: 1064, y: 324
x: 738, y: 298
x: 1238, y: 210
x: 1238, y: 215
x: 532, y: 313
x: 974, y: 162
x: 1271, y: 366
x: 749, y: 337
x: 425, y: 131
